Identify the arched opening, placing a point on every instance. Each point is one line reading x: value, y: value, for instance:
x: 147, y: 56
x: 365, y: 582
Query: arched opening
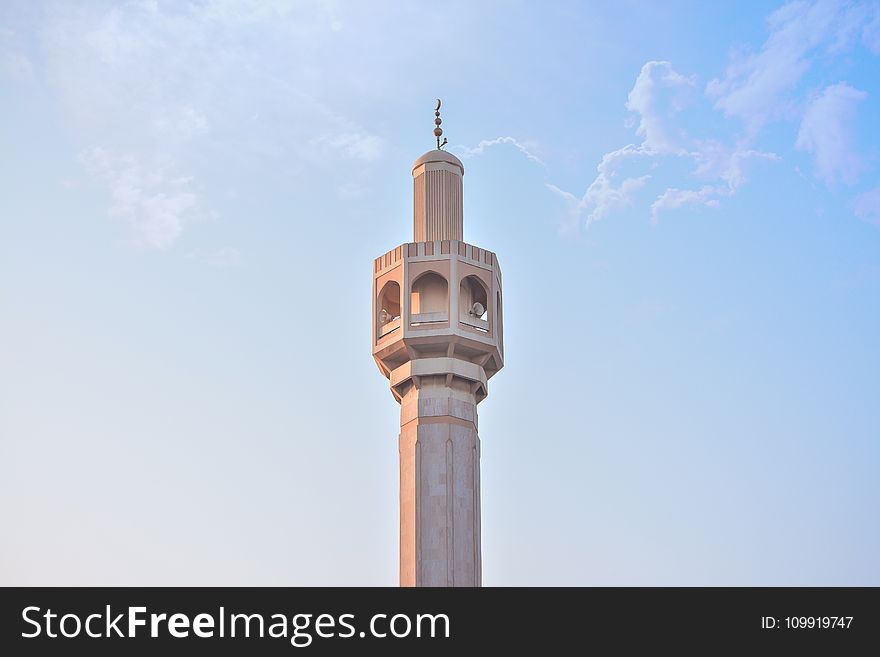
x: 499, y: 320
x: 388, y: 309
x: 429, y: 299
x: 473, y: 303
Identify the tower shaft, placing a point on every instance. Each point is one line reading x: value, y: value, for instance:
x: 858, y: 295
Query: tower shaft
x: 439, y: 485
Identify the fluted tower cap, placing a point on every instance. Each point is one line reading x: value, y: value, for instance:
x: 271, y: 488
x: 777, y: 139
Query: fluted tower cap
x: 438, y: 155
x: 438, y: 205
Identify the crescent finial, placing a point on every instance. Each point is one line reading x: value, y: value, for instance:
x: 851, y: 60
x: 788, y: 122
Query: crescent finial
x: 437, y: 121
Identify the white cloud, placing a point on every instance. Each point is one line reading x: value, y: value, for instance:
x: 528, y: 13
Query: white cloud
x: 756, y: 86
x: 714, y: 161
x: 655, y: 96
x: 480, y: 148
x: 118, y: 39
x: 826, y: 132
x: 605, y: 194
x: 734, y: 174
x: 674, y: 198
x: 867, y: 206
x: 658, y: 96
x: 192, y: 83
x: 657, y: 83
x: 154, y: 205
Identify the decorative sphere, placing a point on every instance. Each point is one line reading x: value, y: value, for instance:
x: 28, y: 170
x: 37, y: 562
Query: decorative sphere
x: 438, y: 121
x: 438, y: 132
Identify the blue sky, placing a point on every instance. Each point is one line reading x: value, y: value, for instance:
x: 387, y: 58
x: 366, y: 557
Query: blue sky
x: 685, y: 201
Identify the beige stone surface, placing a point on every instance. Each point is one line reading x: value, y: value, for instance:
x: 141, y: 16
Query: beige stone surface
x: 439, y: 494
x: 437, y: 338
x: 438, y: 201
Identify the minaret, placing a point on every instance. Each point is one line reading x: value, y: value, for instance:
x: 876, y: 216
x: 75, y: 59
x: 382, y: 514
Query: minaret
x: 437, y: 336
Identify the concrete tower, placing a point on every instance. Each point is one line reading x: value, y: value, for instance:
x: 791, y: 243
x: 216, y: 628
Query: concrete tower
x: 437, y: 337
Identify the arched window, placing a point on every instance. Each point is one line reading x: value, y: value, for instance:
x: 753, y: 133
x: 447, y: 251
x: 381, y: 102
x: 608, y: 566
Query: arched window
x: 429, y: 298
x: 388, y: 309
x: 473, y: 303
x: 499, y: 320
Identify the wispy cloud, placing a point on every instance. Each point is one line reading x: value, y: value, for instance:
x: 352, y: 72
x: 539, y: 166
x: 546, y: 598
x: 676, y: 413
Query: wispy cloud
x: 826, y: 132
x: 867, y: 206
x: 674, y: 198
x: 655, y: 97
x: 871, y: 30
x: 658, y: 96
x: 223, y: 257
x: 16, y: 65
x: 352, y: 190
x: 354, y: 145
x: 182, y: 123
x: 164, y: 83
x: 713, y: 162
x: 155, y: 204
x: 608, y: 192
x: 479, y: 149
x: 755, y: 89
x: 13, y: 62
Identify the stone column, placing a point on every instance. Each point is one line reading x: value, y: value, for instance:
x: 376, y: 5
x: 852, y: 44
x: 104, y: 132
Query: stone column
x: 439, y: 484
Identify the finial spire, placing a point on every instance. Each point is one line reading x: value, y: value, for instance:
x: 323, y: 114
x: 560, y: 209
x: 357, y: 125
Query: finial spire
x: 438, y: 131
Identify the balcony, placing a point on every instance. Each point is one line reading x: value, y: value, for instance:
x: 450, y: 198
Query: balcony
x: 475, y: 322
x: 427, y: 319
x: 389, y: 328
